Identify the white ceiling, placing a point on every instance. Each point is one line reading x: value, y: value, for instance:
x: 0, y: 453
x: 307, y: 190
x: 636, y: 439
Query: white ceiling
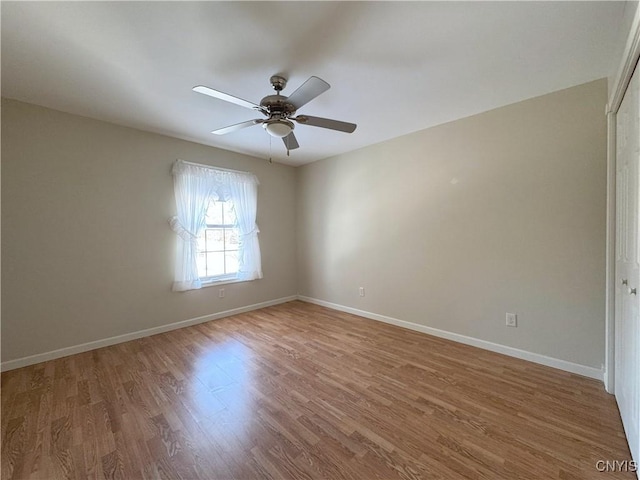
x: 394, y: 67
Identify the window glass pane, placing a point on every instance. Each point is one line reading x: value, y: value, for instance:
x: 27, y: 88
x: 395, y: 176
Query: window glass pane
x: 232, y: 261
x: 219, y: 247
x: 229, y: 213
x: 215, y: 239
x: 215, y: 263
x: 214, y: 213
x: 201, y: 241
x: 231, y: 238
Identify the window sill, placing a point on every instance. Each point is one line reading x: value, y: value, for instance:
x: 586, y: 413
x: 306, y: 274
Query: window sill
x: 215, y: 283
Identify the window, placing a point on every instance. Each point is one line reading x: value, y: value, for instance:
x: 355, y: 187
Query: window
x: 217, y: 234
x: 218, y: 244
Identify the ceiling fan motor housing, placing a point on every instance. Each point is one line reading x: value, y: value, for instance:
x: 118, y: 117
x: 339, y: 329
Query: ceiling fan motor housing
x: 277, y: 105
x: 278, y: 110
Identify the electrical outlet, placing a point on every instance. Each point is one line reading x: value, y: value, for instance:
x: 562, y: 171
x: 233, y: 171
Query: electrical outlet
x: 221, y: 293
x: 362, y: 291
x: 512, y: 320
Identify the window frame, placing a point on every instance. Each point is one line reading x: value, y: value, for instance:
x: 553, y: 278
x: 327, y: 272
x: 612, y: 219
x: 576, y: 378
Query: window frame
x: 225, y: 277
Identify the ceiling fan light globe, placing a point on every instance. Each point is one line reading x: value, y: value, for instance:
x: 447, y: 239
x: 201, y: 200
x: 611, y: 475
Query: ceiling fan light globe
x: 278, y: 128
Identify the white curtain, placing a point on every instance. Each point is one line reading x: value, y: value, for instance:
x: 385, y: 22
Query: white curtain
x: 194, y: 187
x: 192, y: 191
x: 244, y: 196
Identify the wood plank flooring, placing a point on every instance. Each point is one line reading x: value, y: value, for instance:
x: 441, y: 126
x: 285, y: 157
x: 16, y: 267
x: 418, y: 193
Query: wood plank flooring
x: 302, y: 392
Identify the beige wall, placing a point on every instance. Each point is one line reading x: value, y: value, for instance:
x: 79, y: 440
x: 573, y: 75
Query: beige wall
x: 453, y: 226
x: 86, y: 250
x: 449, y: 227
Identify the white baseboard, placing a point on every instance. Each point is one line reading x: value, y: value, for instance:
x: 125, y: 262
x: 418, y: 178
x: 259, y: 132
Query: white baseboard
x: 85, y: 347
x: 475, y: 342
x: 494, y: 347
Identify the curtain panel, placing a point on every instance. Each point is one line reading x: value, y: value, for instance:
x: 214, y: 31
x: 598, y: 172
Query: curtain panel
x: 194, y: 187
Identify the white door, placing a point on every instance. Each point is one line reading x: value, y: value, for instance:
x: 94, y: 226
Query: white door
x: 627, y: 329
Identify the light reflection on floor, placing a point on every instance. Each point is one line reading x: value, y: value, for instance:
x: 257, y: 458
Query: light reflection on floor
x: 222, y: 394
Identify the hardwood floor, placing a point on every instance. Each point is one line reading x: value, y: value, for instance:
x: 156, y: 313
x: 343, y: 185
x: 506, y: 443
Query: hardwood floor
x: 300, y: 391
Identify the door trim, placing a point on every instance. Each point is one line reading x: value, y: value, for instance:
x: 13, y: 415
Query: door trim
x: 625, y: 71
x: 627, y: 65
x: 610, y: 277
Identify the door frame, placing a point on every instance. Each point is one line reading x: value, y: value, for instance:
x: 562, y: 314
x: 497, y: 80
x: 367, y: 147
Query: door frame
x: 630, y: 58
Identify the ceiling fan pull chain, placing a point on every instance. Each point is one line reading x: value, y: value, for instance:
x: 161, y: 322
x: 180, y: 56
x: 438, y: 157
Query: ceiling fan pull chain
x: 270, y: 159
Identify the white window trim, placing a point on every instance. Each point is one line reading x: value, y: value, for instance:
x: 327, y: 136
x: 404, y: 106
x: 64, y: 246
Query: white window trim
x: 213, y: 282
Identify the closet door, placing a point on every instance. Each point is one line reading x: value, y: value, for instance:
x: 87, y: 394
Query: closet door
x: 627, y: 330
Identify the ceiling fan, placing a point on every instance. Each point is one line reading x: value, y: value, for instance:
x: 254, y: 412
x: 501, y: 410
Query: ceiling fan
x: 280, y: 110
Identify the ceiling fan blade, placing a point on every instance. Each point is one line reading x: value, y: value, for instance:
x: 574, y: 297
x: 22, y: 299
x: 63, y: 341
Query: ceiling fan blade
x: 290, y: 141
x: 226, y: 97
x: 308, y: 91
x: 326, y: 123
x: 237, y: 126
